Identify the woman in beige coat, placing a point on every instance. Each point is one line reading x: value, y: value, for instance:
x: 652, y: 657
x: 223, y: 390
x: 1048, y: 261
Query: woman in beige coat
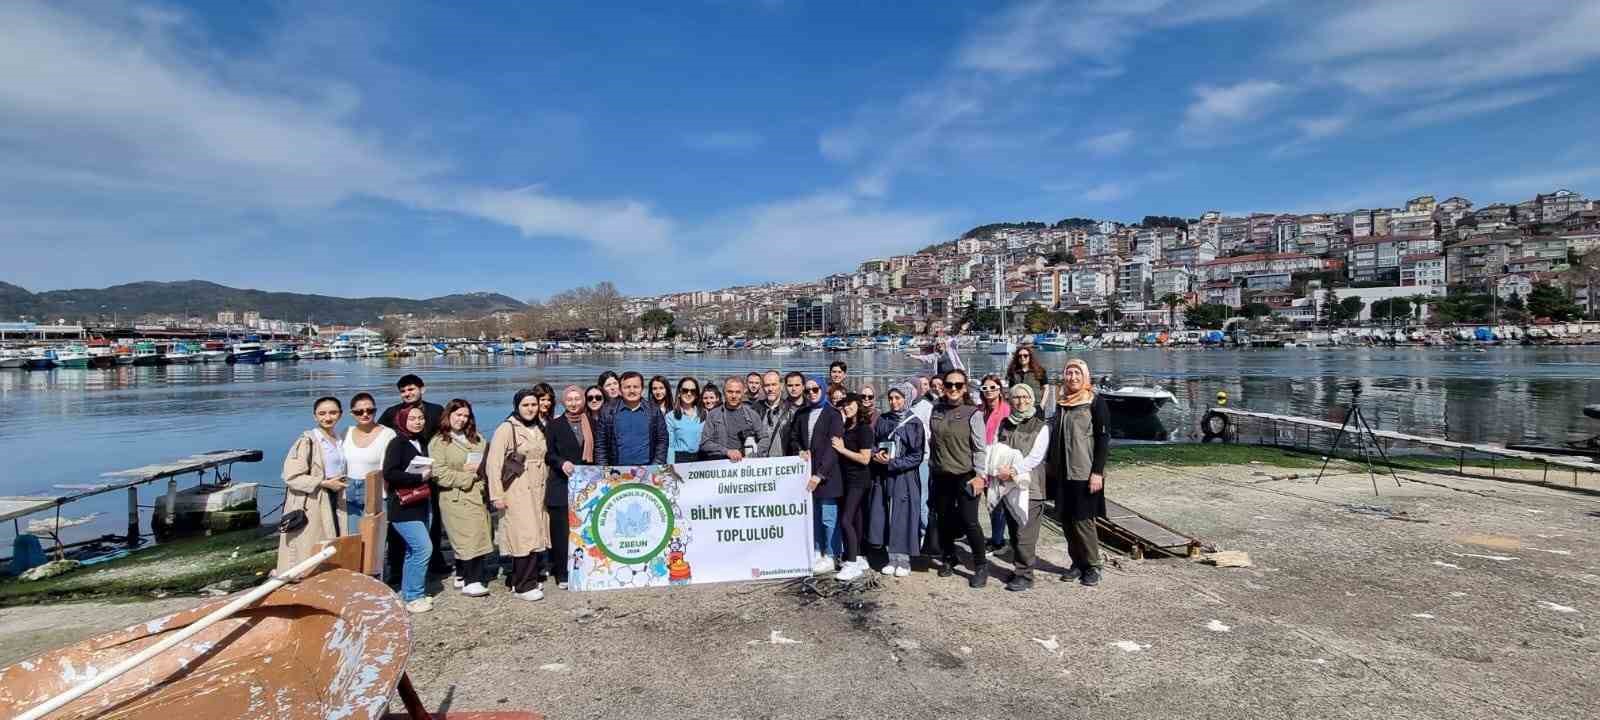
x: 457, y: 449
x: 527, y: 528
x: 314, y: 474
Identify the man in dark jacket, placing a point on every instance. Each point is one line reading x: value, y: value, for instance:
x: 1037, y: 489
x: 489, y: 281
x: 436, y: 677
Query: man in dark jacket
x: 732, y: 431
x: 632, y: 432
x: 411, y: 390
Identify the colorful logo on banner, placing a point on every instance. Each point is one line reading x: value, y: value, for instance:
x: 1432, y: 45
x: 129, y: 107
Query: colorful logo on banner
x: 632, y: 537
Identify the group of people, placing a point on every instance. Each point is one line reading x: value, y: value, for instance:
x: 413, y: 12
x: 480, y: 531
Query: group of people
x: 907, y: 478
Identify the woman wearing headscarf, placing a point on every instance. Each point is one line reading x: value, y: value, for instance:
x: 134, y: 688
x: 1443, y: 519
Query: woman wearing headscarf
x: 527, y: 525
x: 1079, y: 442
x: 1026, y: 433
x: 895, y: 509
x: 457, y: 451
x: 403, y: 474
x: 995, y: 410
x: 314, y: 478
x: 571, y: 443
x: 811, y: 435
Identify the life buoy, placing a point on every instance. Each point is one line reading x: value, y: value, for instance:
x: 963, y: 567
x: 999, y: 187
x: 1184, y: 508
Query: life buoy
x: 1216, y: 425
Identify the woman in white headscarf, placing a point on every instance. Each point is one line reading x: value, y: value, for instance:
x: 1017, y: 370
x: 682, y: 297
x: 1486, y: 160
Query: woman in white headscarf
x: 1018, y: 488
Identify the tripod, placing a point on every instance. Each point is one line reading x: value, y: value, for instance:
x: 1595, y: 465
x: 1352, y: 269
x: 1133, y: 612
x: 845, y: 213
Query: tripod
x: 1357, y: 423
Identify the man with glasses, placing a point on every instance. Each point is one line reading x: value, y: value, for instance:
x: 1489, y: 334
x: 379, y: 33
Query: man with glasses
x: 733, y: 430
x: 632, y: 432
x: 958, y: 453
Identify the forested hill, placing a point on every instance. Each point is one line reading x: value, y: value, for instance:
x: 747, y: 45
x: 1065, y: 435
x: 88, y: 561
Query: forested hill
x: 206, y: 299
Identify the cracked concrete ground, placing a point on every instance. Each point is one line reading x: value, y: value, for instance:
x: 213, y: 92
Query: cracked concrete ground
x: 1447, y: 597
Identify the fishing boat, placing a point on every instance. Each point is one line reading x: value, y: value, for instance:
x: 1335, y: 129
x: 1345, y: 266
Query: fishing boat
x: 342, y: 348
x: 73, y: 356
x: 689, y: 348
x: 1050, y: 341
x: 101, y: 354
x: 280, y: 353
x: 180, y: 354
x: 145, y: 353
x: 1135, y: 410
x: 12, y: 360
x: 212, y: 351
x: 374, y: 349
x: 248, y: 352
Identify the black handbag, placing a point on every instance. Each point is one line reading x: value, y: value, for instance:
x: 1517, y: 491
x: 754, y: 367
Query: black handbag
x: 292, y: 521
x: 514, y: 464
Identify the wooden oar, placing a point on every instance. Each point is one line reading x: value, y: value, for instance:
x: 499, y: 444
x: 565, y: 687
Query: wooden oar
x: 222, y: 613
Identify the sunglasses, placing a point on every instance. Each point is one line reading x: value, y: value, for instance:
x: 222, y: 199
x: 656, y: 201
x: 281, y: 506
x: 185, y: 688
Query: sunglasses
x: 596, y: 398
x: 363, y: 411
x: 954, y: 385
x: 868, y: 396
x: 688, y: 391
x: 1020, y: 398
x: 991, y: 388
x: 814, y: 390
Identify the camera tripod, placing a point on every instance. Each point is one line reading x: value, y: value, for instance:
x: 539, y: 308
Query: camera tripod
x: 1356, y: 422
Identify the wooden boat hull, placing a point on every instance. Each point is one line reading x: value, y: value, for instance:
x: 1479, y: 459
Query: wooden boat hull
x: 332, y: 645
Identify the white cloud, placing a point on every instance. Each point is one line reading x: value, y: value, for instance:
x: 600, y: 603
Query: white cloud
x: 134, y: 99
x: 1105, y: 192
x: 1217, y: 108
x: 1379, y: 47
x: 1472, y: 105
x: 814, y: 230
x: 1109, y: 143
x: 1318, y: 128
x: 725, y: 141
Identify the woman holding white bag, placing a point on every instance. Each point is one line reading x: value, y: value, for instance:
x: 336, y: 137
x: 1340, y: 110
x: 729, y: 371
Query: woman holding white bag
x: 1017, y: 481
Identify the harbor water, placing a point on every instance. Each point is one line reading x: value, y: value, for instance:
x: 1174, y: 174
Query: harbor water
x: 67, y: 426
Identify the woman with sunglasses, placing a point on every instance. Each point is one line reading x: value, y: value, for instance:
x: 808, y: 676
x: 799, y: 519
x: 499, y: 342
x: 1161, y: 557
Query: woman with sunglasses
x: 363, y: 447
x: 995, y: 410
x: 811, y: 435
x: 1025, y: 369
x: 661, y: 393
x: 685, y: 422
x: 959, y: 453
x: 855, y: 466
x: 593, y: 400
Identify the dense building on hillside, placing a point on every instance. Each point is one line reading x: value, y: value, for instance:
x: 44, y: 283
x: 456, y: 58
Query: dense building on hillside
x: 1426, y: 269
x: 807, y: 316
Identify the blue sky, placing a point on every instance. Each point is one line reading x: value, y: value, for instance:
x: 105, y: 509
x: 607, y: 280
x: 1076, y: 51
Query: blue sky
x: 423, y: 149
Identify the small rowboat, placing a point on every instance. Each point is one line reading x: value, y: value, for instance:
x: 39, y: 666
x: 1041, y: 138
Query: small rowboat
x: 333, y: 645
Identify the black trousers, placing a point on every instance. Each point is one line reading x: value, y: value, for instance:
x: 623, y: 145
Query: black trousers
x: 471, y: 571
x: 958, y: 516
x: 524, y: 573
x: 554, y: 561
x: 853, y: 520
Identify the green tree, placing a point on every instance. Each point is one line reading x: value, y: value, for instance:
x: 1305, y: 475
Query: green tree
x: 1038, y: 319
x: 1086, y: 316
x: 1392, y: 309
x: 1255, y: 310
x: 1328, y: 313
x: 980, y: 320
x: 1348, y: 310
x: 1550, y: 301
x: 890, y: 327
x: 1207, y: 315
x: 1173, y: 301
x: 656, y: 321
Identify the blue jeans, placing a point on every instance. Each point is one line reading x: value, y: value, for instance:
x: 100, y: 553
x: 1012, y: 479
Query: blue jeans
x: 829, y: 541
x: 997, y: 525
x: 419, y: 548
x: 355, y: 505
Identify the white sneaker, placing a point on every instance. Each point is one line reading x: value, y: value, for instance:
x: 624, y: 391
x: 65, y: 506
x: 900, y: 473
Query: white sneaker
x: 420, y: 605
x: 888, y: 569
x: 474, y: 589
x: 824, y: 564
x: 862, y: 563
x: 458, y: 582
x: 532, y: 595
x: 850, y: 572
x: 902, y: 571
x: 562, y: 584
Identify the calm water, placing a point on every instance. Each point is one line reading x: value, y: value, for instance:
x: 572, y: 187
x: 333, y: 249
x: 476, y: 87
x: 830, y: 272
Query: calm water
x: 68, y: 426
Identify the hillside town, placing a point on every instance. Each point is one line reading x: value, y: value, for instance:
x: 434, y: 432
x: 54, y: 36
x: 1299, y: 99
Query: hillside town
x: 1294, y: 269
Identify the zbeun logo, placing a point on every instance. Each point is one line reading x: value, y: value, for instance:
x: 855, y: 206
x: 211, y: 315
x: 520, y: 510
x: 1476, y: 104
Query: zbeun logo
x: 633, y: 524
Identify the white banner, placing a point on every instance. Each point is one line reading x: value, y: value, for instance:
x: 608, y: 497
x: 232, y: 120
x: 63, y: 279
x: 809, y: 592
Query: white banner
x: 689, y: 523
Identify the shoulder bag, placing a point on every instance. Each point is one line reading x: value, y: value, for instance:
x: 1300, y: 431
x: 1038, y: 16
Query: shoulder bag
x: 413, y: 494
x: 514, y: 464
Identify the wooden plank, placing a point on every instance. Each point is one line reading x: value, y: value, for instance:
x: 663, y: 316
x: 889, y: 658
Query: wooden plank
x: 15, y: 507
x: 1484, y: 448
x: 1130, y: 524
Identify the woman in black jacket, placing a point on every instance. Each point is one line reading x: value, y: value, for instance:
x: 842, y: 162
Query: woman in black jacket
x: 410, y: 520
x: 570, y: 443
x: 812, y: 432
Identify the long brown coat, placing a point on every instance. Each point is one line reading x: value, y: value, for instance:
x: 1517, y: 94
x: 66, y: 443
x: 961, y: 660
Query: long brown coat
x: 302, y: 475
x: 526, y: 526
x: 460, y: 497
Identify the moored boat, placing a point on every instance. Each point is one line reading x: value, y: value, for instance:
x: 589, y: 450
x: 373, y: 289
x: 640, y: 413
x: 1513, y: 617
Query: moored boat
x: 12, y: 360
x: 212, y: 351
x: 279, y: 353
x: 1135, y: 411
x: 248, y: 352
x: 101, y: 354
x: 73, y: 356
x: 146, y: 353
x: 180, y: 354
